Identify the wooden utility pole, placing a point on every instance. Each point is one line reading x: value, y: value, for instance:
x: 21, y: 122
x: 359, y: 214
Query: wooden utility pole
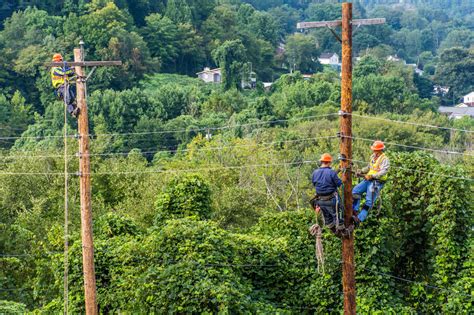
x: 85, y: 189
x: 90, y: 292
x: 348, y: 267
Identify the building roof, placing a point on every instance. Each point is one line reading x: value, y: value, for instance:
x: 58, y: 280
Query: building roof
x: 470, y: 94
x: 457, y: 111
x: 327, y: 55
x: 209, y: 70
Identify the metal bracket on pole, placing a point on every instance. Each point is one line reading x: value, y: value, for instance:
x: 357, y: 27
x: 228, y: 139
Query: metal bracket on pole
x: 355, y: 30
x: 79, y: 174
x: 90, y: 73
x: 343, y: 113
x: 334, y: 33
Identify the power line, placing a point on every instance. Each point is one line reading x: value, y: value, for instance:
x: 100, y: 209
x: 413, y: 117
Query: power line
x: 411, y: 146
x: 409, y: 123
x: 155, y: 171
x: 211, y: 148
x: 212, y: 128
x: 420, y: 171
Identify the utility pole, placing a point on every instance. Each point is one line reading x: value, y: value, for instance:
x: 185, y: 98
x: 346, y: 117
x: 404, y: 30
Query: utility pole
x: 90, y: 292
x: 348, y: 267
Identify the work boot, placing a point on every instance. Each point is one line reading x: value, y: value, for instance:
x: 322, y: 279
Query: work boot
x: 355, y: 219
x: 75, y: 112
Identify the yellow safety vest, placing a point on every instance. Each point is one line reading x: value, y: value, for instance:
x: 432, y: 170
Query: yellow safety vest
x: 58, y: 75
x: 374, y: 166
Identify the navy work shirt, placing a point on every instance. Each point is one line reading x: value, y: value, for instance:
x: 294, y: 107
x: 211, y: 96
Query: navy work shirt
x: 326, y: 181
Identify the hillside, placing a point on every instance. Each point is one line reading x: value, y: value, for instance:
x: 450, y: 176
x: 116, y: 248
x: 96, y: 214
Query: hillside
x: 200, y: 191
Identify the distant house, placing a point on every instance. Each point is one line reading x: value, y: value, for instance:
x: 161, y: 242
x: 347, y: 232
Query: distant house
x: 469, y: 99
x: 395, y: 59
x: 209, y: 75
x: 457, y: 112
x: 440, y: 90
x: 329, y: 59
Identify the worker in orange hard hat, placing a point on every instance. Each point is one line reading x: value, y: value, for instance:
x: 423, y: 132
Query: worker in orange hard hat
x: 375, y: 176
x: 62, y: 79
x: 326, y: 182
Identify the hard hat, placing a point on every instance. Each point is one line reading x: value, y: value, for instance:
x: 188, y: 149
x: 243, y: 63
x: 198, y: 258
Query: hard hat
x: 326, y: 157
x: 57, y: 57
x: 377, y: 146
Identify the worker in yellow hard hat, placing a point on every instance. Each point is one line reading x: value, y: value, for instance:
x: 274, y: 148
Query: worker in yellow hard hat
x: 62, y: 79
x: 375, y: 176
x: 326, y: 182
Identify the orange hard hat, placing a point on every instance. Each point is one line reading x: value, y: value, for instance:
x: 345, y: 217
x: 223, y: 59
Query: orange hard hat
x: 377, y: 146
x: 57, y: 57
x: 326, y: 157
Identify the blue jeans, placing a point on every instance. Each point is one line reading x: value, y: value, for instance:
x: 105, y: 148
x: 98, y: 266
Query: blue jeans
x: 67, y: 94
x: 371, y: 189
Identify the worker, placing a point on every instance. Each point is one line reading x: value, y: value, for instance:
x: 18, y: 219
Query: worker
x: 63, y: 81
x: 375, y: 176
x: 326, y: 182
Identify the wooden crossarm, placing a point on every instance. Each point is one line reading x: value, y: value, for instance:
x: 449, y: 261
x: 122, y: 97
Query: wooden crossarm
x: 305, y: 25
x: 84, y: 63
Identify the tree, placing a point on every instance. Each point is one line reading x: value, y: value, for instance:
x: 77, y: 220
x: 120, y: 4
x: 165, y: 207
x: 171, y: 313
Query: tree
x: 231, y: 58
x: 301, y: 54
x: 458, y: 38
x: 367, y: 65
x: 456, y: 71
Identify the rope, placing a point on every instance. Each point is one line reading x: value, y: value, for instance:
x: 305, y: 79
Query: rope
x: 317, y: 231
x: 66, y: 210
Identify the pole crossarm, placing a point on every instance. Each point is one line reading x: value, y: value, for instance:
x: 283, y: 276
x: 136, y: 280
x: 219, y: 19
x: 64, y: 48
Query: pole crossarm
x: 84, y: 63
x: 336, y: 23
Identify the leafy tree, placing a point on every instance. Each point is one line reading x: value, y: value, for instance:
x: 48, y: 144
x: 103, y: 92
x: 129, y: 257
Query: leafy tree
x: 301, y: 54
x: 186, y: 196
x: 231, y: 58
x: 455, y: 70
x: 367, y: 65
x: 458, y: 38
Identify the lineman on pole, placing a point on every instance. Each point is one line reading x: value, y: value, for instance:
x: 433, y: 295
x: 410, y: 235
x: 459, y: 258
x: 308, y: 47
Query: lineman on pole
x: 375, y: 176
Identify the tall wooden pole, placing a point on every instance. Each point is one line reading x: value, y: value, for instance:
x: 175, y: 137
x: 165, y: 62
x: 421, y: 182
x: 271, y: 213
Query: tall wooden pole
x: 85, y: 189
x: 348, y: 269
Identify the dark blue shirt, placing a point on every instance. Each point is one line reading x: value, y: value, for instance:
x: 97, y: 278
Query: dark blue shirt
x: 326, y: 181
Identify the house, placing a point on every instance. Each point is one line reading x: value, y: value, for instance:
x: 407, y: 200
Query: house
x: 440, y: 90
x: 395, y: 59
x: 329, y: 59
x: 469, y: 99
x: 209, y: 75
x: 457, y: 112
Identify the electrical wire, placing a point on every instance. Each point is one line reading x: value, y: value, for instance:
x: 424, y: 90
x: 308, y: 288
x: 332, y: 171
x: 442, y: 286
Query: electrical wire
x: 214, y: 128
x: 211, y: 148
x: 410, y: 146
x: 191, y: 170
x: 409, y: 123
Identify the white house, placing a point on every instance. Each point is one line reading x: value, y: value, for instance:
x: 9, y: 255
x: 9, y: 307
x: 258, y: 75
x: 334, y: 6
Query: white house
x: 329, y: 59
x: 209, y: 75
x: 469, y: 99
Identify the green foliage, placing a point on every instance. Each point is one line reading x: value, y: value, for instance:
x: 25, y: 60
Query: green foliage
x: 230, y: 56
x: 233, y: 239
x: 7, y: 307
x: 301, y: 54
x: 185, y: 196
x: 455, y: 71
